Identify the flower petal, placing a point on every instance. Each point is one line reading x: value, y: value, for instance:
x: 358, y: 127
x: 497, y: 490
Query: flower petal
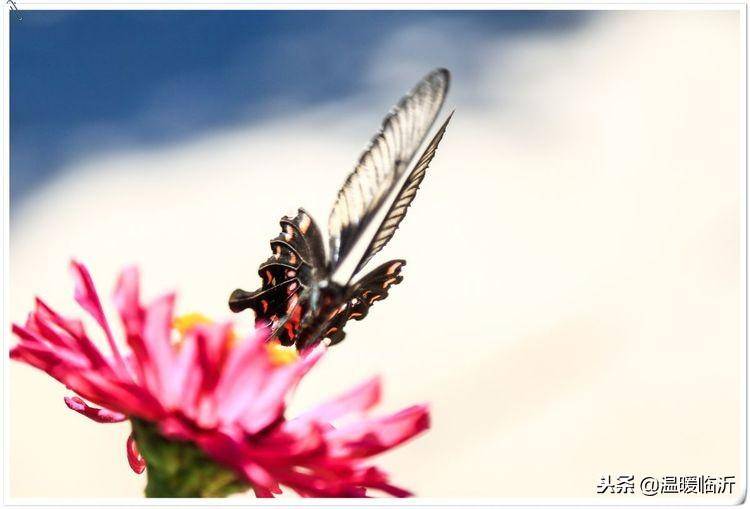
x: 57, y: 357
x: 136, y: 461
x: 86, y: 296
x: 227, y: 399
x: 123, y: 397
x: 372, y: 436
x: 36, y: 356
x: 243, y: 376
x: 212, y: 342
x: 262, y: 492
x: 95, y: 414
x: 226, y: 450
x: 126, y: 298
x: 269, y: 404
x: 358, y: 399
x: 74, y: 328
x: 292, y: 440
x: 157, y: 330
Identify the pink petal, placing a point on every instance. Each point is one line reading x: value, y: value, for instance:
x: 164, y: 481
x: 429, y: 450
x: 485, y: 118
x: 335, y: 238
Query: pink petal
x: 157, y: 331
x: 181, y: 389
x: 72, y: 327
x: 66, y: 358
x: 262, y: 492
x: 258, y: 476
x: 95, y: 414
x: 177, y: 428
x: 57, y: 362
x: 369, y: 437
x: 123, y: 397
x: 291, y: 441
x: 242, y: 377
x: 270, y: 402
x: 86, y: 296
x: 321, y: 483
x: 358, y: 399
x: 231, y: 452
x: 75, y: 329
x: 127, y: 301
x: 56, y: 337
x: 374, y: 478
x: 38, y: 357
x: 392, y: 490
x: 212, y: 342
x: 136, y: 461
x: 247, y: 351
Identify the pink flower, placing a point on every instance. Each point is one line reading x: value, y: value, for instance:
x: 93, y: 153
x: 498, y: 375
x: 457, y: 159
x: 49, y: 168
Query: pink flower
x: 226, y: 396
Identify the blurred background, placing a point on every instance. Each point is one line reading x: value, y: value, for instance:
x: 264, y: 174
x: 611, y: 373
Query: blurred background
x: 572, y: 303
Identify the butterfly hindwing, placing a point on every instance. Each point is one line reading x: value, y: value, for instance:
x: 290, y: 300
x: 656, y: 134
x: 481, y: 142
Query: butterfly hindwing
x: 298, y: 257
x: 372, y: 287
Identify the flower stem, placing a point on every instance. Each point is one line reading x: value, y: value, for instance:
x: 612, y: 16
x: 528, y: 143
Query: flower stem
x: 181, y: 469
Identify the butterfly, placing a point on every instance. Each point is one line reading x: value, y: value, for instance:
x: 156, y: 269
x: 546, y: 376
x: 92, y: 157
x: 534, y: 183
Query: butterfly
x: 307, y: 294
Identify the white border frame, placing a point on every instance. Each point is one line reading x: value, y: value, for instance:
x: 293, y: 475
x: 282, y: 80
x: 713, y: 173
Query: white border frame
x: 24, y: 5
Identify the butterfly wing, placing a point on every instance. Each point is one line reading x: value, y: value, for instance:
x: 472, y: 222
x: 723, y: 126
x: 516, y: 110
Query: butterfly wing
x: 372, y: 287
x: 298, y: 257
x: 403, y: 199
x: 381, y: 165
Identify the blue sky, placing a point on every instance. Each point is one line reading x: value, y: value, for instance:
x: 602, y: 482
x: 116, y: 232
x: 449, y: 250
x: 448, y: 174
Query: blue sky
x: 83, y: 82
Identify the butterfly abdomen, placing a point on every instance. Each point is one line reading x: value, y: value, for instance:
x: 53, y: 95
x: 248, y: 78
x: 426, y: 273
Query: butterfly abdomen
x: 297, y: 255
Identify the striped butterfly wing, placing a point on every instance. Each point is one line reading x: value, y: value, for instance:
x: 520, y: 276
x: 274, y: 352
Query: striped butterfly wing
x: 382, y: 164
x: 403, y: 199
x: 298, y: 258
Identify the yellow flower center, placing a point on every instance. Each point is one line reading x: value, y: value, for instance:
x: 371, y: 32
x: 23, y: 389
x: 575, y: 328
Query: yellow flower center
x: 184, y: 323
x: 279, y: 355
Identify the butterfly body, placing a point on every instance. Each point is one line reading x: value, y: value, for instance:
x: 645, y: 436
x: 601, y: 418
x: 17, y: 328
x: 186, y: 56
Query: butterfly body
x: 308, y: 292
x: 299, y: 297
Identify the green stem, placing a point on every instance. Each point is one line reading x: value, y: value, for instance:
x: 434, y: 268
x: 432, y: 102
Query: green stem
x: 181, y: 469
